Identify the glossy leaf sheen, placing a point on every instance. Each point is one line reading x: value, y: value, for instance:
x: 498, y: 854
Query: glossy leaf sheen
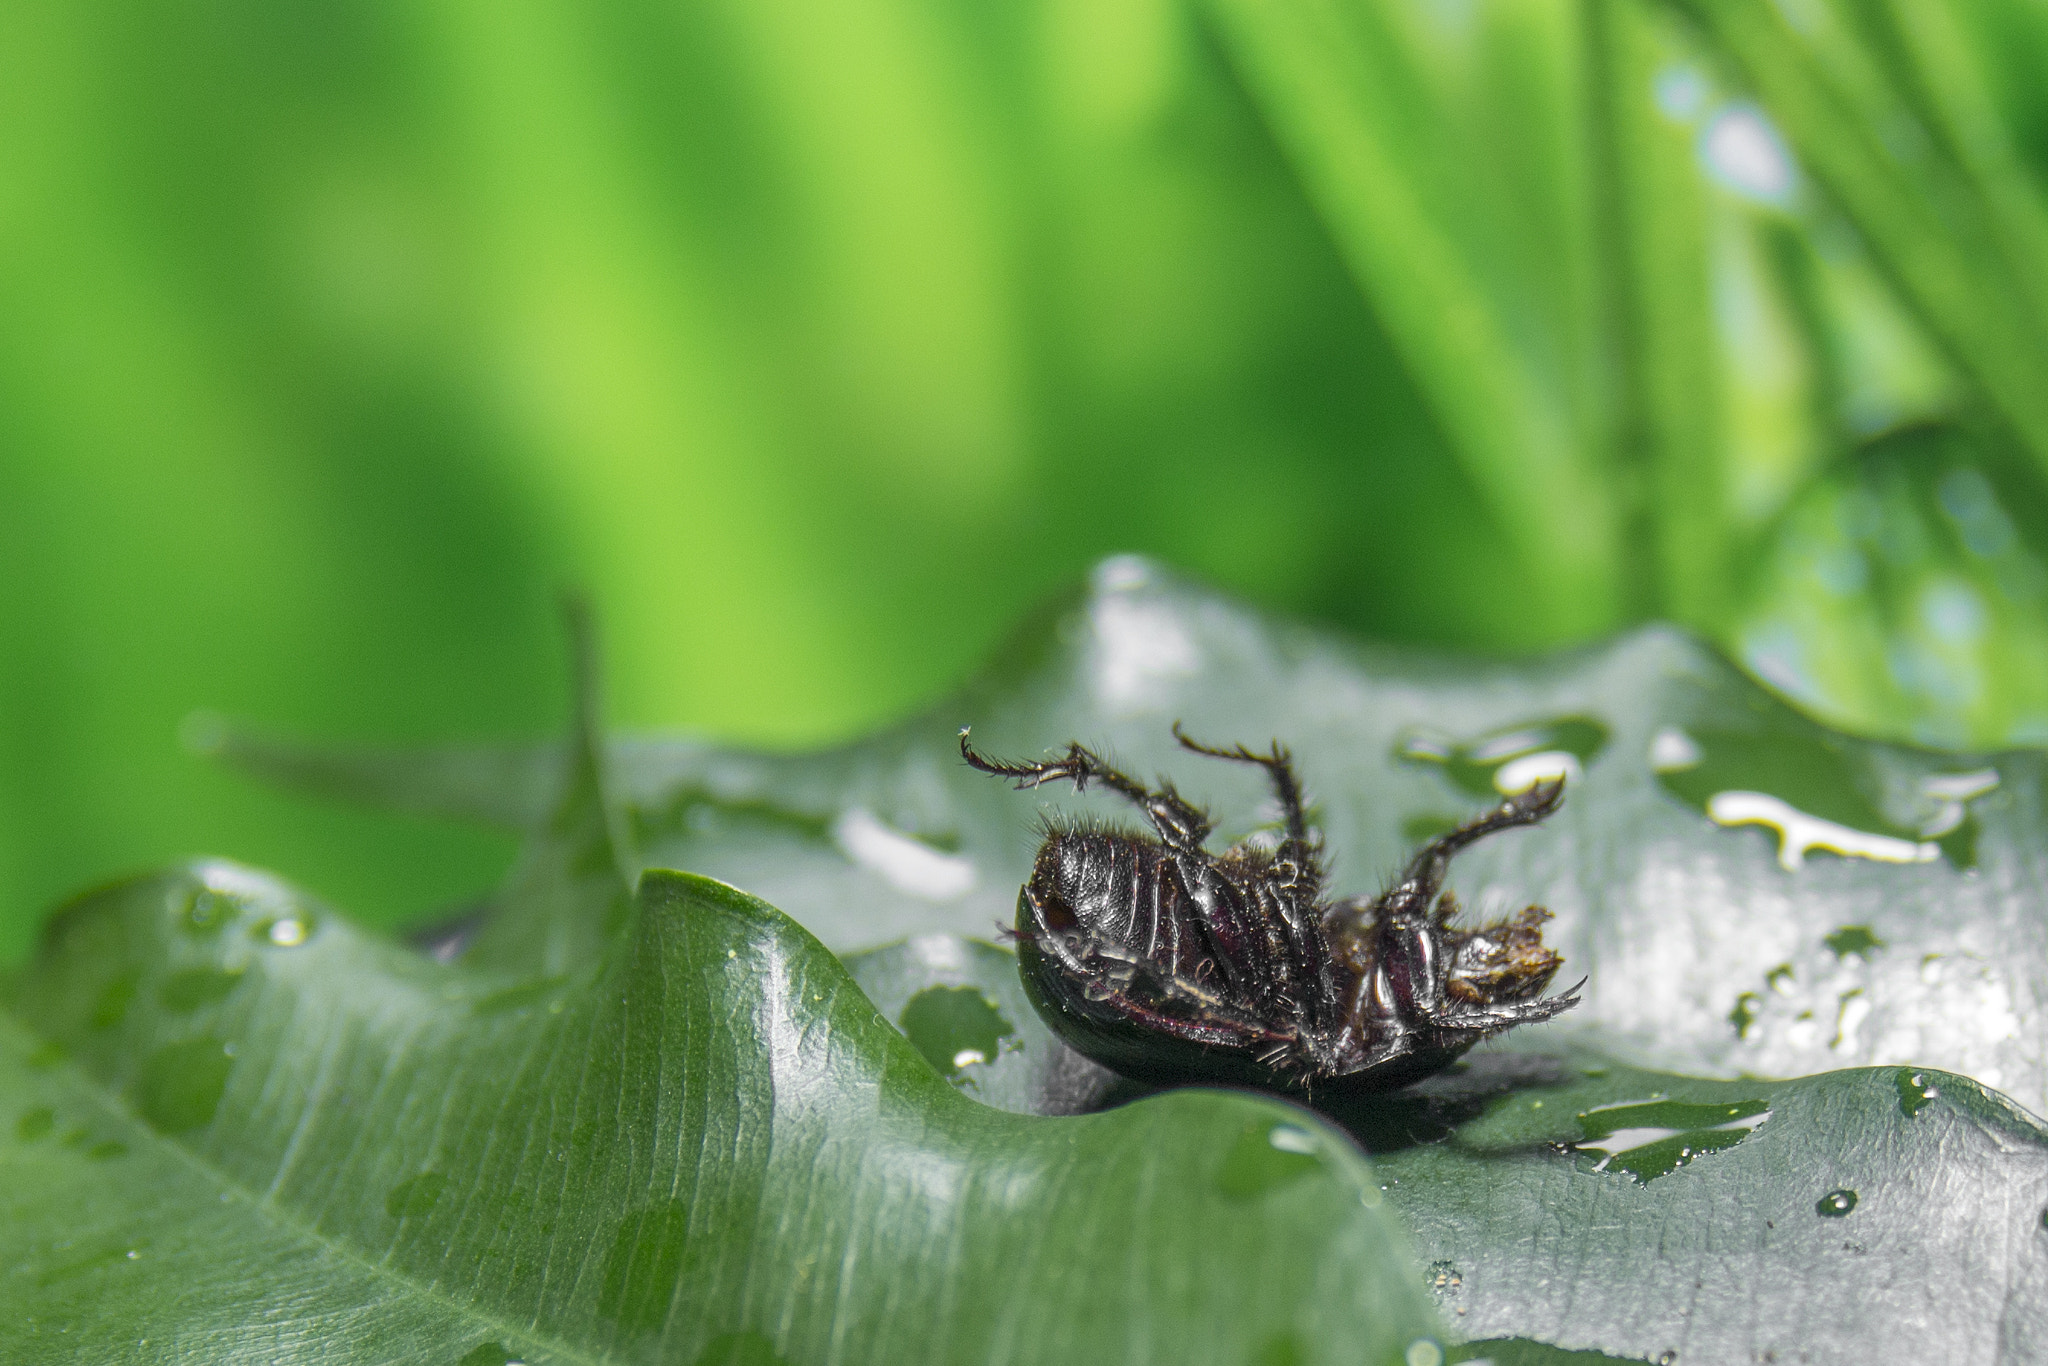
x: 1678, y: 923
x: 1699, y: 1229
x: 711, y: 1141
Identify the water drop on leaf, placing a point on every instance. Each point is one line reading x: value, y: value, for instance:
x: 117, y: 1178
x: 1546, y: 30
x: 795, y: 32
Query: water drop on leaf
x: 182, y: 1084
x: 1835, y: 1203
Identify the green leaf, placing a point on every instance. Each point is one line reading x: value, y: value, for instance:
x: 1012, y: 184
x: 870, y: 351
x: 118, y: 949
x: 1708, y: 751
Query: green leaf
x: 1443, y: 151
x: 715, y: 1151
x: 1680, y: 920
x: 1647, y: 326
x: 1749, y: 894
x: 1891, y: 107
x: 1910, y: 583
x: 1558, y: 1197
x: 570, y: 895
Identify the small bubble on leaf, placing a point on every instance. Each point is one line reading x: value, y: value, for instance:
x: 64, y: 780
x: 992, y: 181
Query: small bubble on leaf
x: 1264, y: 1158
x: 954, y: 1027
x: 285, y: 932
x: 182, y: 1083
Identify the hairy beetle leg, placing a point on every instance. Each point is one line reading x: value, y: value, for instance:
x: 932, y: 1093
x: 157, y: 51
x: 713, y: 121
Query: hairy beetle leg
x: 1181, y: 826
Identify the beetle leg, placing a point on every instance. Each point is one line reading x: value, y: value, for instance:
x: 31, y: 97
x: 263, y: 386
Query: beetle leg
x: 1298, y: 864
x: 1279, y: 766
x: 1181, y: 826
x: 1424, y: 875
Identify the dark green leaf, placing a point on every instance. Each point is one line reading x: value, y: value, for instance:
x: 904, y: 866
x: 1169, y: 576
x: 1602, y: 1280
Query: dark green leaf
x: 1866, y: 1215
x: 1679, y: 920
x: 1911, y: 583
x: 715, y: 1152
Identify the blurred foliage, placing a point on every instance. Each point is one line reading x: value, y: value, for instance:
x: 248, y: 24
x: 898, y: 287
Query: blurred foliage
x: 820, y: 341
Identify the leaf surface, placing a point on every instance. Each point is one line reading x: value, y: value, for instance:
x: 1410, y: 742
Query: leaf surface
x: 1712, y: 947
x: 1561, y: 1203
x: 713, y: 1150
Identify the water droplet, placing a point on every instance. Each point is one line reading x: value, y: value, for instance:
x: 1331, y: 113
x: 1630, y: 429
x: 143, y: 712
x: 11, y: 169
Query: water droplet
x: 411, y: 1198
x: 207, y: 912
x: 1914, y: 1091
x: 908, y: 864
x: 1673, y: 751
x: 285, y: 931
x: 953, y: 1028
x: 1649, y: 1139
x: 1743, y: 1017
x: 1799, y: 834
x: 83, y: 1263
x: 1265, y: 1157
x: 1856, y: 939
x: 1851, y: 1010
x: 1292, y: 1138
x: 1423, y: 1352
x: 518, y: 997
x: 1741, y: 149
x: 1779, y: 979
x: 486, y: 1354
x: 1950, y: 821
x: 186, y: 991
x: 1808, y: 787
x: 1666, y: 1358
x: 1835, y: 1203
x: 1510, y: 760
x: 35, y: 1124
x: 182, y: 1083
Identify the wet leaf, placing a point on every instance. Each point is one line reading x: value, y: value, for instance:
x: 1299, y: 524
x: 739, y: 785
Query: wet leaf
x: 680, y: 1134
x: 1750, y: 895
x: 1713, y: 844
x: 1558, y: 1197
x: 718, y: 1136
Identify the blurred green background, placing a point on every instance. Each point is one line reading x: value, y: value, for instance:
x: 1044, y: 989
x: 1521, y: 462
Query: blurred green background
x: 818, y: 341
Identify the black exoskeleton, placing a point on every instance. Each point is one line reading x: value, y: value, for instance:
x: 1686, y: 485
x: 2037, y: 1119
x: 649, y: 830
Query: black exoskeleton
x: 1171, y: 965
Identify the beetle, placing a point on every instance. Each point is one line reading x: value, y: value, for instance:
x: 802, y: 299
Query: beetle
x: 1172, y: 965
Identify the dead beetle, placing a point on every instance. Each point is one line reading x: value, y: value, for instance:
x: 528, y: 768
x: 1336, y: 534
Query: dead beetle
x: 1172, y: 965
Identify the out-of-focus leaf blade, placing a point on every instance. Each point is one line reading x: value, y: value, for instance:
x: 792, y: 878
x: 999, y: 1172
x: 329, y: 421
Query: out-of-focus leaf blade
x: 1910, y: 583
x: 1443, y: 149
x: 571, y: 892
x: 1888, y: 106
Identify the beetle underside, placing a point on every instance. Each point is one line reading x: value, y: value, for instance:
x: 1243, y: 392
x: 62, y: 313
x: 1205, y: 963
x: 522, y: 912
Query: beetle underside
x: 1169, y: 964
